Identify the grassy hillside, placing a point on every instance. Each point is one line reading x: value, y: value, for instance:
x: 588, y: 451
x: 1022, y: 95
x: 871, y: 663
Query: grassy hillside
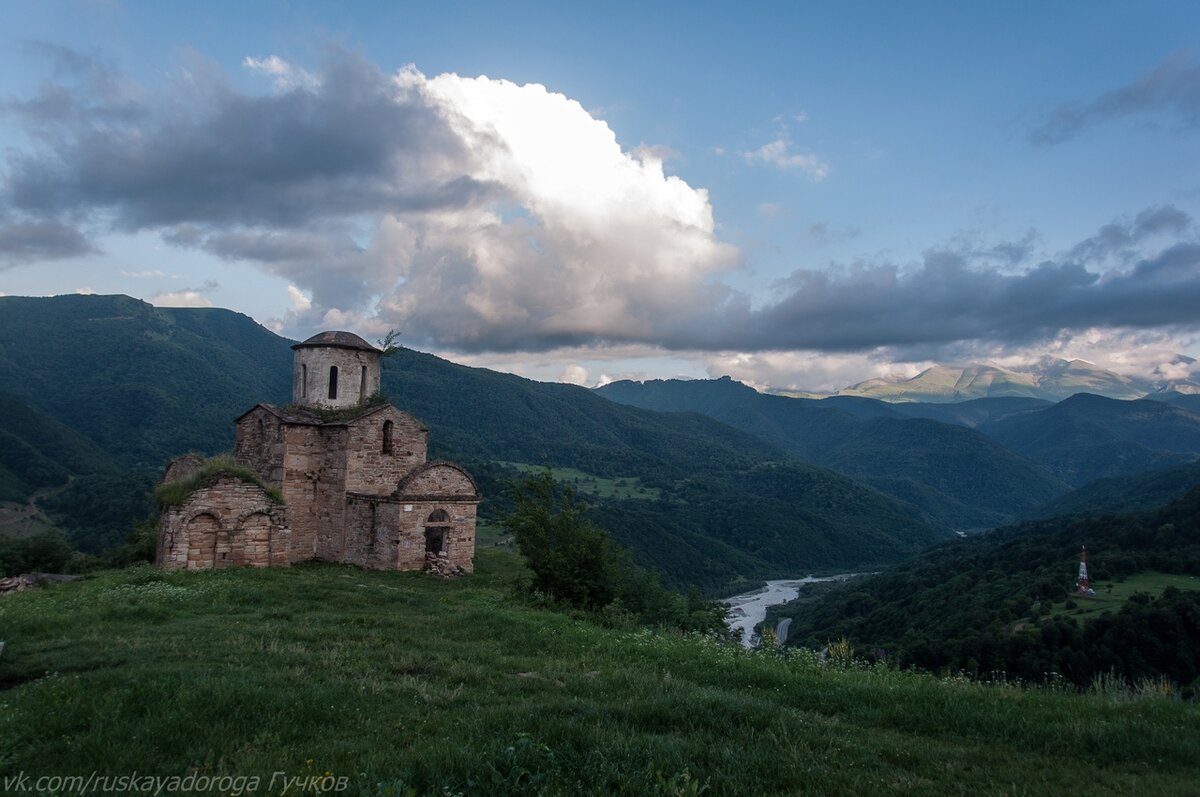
x: 1089, y: 437
x: 403, y: 684
x: 955, y: 475
x: 988, y: 603
x: 1112, y: 596
x: 147, y: 383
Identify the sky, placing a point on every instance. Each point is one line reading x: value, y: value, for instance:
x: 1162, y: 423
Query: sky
x: 799, y: 195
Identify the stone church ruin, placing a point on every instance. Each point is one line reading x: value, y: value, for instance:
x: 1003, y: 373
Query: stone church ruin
x: 344, y: 478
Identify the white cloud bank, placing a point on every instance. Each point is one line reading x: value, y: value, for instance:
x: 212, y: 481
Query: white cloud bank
x: 479, y: 216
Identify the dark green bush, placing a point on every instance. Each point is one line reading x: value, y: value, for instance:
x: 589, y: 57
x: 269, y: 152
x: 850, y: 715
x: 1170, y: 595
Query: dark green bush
x: 576, y: 563
x: 47, y: 552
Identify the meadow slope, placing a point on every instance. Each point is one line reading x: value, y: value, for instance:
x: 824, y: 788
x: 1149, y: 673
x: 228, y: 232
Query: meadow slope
x: 404, y: 684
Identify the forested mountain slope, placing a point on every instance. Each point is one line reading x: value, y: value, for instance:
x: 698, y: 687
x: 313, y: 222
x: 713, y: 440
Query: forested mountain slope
x: 1005, y: 601
x: 1089, y: 437
x: 147, y: 383
x: 37, y: 452
x: 1135, y: 493
x: 956, y: 475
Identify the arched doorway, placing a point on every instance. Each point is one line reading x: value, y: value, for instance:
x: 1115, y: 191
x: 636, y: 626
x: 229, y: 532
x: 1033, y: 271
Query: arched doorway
x: 437, y: 532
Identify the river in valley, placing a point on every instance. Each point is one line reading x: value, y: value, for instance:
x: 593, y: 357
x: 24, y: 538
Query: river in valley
x: 750, y: 608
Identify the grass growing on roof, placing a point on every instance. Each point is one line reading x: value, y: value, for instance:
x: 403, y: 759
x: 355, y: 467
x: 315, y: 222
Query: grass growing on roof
x: 213, y: 470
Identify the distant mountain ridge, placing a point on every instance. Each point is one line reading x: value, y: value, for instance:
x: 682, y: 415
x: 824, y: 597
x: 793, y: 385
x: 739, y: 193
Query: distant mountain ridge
x: 1050, y: 379
x: 143, y: 384
x: 1136, y: 493
x: 1088, y: 437
x: 955, y: 475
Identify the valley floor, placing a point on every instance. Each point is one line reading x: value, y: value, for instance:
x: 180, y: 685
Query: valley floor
x: 398, y: 683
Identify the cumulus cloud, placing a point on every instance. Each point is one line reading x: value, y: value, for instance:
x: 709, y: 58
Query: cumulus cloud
x: 575, y: 374
x: 807, y: 370
x: 450, y: 206
x: 659, y: 152
x: 300, y: 302
x: 187, y: 297
x: 483, y: 216
x: 1172, y: 87
x: 203, y: 154
x: 778, y: 153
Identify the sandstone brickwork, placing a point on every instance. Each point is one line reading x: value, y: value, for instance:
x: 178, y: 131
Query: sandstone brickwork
x: 357, y: 376
x: 182, y: 467
x: 230, y: 524
x: 354, y: 478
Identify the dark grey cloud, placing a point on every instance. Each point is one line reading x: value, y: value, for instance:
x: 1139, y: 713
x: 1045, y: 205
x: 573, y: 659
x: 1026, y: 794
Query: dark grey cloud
x: 1119, y: 238
x: 948, y: 299
x: 374, y: 194
x: 82, y: 91
x: 30, y: 240
x: 955, y: 296
x: 1173, y: 86
x: 326, y: 260
x: 1016, y: 252
x: 356, y: 142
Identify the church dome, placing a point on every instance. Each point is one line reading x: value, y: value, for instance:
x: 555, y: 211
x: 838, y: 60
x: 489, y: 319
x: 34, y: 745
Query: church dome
x: 341, y: 340
x: 334, y: 370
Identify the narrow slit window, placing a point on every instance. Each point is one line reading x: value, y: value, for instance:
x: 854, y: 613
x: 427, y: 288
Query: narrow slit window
x: 303, y: 381
x: 387, y: 437
x: 333, y: 381
x: 362, y: 385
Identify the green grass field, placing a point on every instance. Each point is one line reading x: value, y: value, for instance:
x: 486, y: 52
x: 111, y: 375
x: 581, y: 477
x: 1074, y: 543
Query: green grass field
x: 403, y: 684
x: 622, y: 487
x: 1110, y: 596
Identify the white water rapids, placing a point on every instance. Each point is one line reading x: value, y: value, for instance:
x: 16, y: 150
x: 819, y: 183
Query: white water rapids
x: 750, y: 608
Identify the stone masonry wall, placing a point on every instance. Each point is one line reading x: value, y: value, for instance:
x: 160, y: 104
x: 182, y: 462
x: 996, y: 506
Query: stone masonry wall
x: 230, y: 524
x: 372, y: 536
x: 181, y: 468
x: 438, y: 479
x: 313, y: 486
x: 258, y: 444
x: 368, y: 468
x: 389, y: 534
x: 351, y: 364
